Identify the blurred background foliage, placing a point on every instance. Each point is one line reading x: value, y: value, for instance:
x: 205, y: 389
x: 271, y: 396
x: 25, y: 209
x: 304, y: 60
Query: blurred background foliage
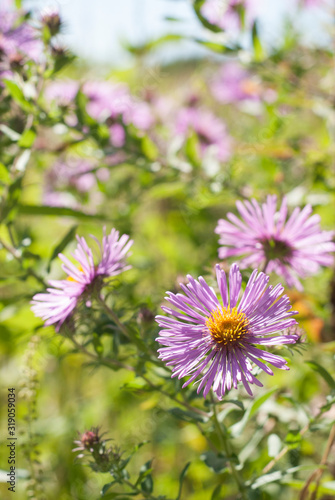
x: 67, y: 167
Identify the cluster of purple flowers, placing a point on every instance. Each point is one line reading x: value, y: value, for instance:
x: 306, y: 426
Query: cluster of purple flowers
x: 19, y: 41
x: 108, y: 102
x: 210, y: 130
x: 217, y: 341
x: 230, y: 15
x: 75, y: 173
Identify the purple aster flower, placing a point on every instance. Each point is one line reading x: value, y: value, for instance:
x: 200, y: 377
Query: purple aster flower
x: 21, y: 38
x: 50, y: 17
x: 110, y: 101
x: 226, y: 13
x: 218, y: 341
x: 77, y: 173
x: 55, y: 306
x: 290, y: 247
x: 211, y: 131
x: 234, y: 84
x: 63, y: 92
x: 311, y: 3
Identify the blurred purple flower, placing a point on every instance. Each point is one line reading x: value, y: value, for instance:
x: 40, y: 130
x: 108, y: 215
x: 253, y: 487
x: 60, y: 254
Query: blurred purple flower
x: 58, y: 303
x: 224, y: 338
x: 290, y: 248
x: 50, y: 17
x: 111, y: 101
x: 225, y: 13
x: 22, y: 39
x: 63, y: 92
x: 233, y: 84
x: 58, y: 199
x: 211, y: 131
x: 311, y: 3
x: 117, y: 135
x: 74, y: 172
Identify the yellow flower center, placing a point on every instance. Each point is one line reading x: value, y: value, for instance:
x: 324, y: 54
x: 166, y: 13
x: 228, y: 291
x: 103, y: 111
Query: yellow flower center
x: 69, y: 278
x: 228, y: 326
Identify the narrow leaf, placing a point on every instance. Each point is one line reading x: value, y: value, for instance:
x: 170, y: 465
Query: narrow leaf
x: 57, y: 211
x: 181, y: 479
x: 69, y: 236
x: 236, y: 429
x: 323, y: 372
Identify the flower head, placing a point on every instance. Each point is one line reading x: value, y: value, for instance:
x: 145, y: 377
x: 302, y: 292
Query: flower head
x: 95, y: 446
x: 55, y: 306
x: 218, y: 341
x: 50, y: 17
x: 227, y: 13
x: 234, y: 84
x: 110, y: 101
x: 20, y: 38
x: 211, y: 131
x: 291, y: 247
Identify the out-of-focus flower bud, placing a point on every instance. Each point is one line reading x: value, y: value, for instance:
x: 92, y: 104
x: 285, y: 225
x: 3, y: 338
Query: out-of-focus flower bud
x: 16, y: 61
x: 51, y: 20
x: 145, y: 315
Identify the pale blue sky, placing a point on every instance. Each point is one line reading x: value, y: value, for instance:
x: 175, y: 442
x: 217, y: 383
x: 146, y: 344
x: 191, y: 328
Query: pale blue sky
x: 95, y: 29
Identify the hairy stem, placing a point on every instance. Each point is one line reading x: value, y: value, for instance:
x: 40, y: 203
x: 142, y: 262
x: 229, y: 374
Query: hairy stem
x: 225, y: 444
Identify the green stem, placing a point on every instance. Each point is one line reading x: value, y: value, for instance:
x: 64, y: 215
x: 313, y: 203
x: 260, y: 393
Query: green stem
x: 114, y: 317
x: 114, y: 362
x: 224, y: 441
x: 17, y: 256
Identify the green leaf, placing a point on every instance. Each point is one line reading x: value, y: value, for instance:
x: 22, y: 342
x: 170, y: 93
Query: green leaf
x: 149, y: 148
x: 187, y: 416
x: 266, y: 479
x: 235, y: 402
x: 192, y: 149
x: 217, y: 462
x: 17, y: 94
x: 328, y: 487
x: 69, y: 236
x: 237, y: 428
x: 181, y: 479
x: 27, y: 138
x: 258, y: 49
x: 274, y: 445
x: 14, y: 193
x: 145, y: 478
x: 4, y: 174
x: 81, y: 101
x: 62, y: 60
x: 125, y: 462
x: 323, y: 372
x: 218, y: 47
x: 106, y: 487
x: 168, y: 190
x: 197, y: 5
x: 279, y: 475
x: 216, y: 495
x: 143, y: 49
x: 97, y: 344
x: 293, y: 439
x: 13, y: 136
x: 22, y: 160
x: 57, y: 211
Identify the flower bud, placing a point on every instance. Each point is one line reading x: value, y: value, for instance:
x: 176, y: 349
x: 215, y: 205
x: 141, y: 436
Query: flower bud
x: 51, y: 19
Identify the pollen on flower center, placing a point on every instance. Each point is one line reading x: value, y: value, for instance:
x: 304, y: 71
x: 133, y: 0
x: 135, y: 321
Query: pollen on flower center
x: 69, y: 278
x: 228, y: 326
